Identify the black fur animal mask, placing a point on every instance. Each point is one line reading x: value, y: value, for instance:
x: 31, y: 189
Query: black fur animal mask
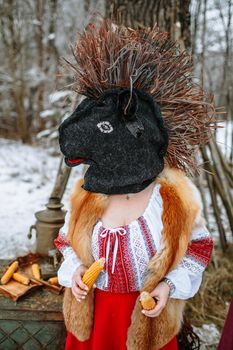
x: 121, y: 136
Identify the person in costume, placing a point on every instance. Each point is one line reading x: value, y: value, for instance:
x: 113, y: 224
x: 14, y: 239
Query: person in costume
x: 138, y: 129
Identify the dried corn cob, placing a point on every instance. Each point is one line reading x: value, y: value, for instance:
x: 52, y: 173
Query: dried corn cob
x: 93, y: 272
x: 9, y: 273
x: 148, y: 303
x: 53, y: 281
x: 36, y: 271
x: 21, y: 278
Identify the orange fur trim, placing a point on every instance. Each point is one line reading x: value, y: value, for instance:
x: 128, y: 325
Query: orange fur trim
x: 180, y: 210
x: 86, y: 208
x: 78, y: 317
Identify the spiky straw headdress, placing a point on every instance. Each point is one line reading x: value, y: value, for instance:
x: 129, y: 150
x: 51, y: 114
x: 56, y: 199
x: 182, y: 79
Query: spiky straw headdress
x: 113, y: 56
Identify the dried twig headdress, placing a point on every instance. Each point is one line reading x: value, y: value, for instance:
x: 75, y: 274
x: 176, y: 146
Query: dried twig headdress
x: 110, y: 56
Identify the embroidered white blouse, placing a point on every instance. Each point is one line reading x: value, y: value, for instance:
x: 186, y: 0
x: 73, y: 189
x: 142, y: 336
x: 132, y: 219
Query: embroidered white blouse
x: 143, y: 237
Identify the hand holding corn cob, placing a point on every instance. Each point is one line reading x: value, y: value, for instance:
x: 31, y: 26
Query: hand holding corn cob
x: 151, y: 307
x: 83, y: 279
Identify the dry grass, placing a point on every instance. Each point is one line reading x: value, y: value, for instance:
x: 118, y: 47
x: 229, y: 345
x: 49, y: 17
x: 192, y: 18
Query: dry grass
x: 210, y: 305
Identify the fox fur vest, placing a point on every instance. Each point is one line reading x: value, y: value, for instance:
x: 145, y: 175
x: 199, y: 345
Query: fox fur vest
x: 181, y: 209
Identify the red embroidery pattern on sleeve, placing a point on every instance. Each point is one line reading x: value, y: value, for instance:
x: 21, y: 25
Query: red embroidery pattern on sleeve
x: 201, y: 250
x: 61, y: 242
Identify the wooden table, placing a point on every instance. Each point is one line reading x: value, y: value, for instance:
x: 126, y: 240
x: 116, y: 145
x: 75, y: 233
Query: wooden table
x: 33, y: 322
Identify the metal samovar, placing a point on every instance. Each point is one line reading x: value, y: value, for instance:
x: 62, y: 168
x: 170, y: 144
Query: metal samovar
x: 51, y: 219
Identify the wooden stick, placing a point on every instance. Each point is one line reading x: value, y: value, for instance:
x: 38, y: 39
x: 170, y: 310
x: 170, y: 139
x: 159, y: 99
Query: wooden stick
x: 210, y: 179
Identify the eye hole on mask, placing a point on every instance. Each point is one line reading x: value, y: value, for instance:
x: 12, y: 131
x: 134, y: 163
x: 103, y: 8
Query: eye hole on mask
x: 105, y: 127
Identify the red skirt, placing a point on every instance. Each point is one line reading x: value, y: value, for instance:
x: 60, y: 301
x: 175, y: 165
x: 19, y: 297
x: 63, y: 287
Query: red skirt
x: 111, y: 322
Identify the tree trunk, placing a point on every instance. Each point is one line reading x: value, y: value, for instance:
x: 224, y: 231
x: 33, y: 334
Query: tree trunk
x: 13, y: 45
x: 40, y: 63
x: 172, y: 16
x: 22, y: 125
x: 52, y: 51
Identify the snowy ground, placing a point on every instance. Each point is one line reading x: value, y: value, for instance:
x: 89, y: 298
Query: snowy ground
x: 209, y: 336
x: 27, y: 176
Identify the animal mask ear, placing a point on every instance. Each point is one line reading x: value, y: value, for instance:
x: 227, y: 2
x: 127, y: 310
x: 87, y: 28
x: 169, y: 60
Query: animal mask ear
x: 127, y: 106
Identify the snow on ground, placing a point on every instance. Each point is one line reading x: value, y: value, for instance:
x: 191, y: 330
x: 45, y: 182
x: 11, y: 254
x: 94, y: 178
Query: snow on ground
x: 27, y: 176
x: 209, y: 336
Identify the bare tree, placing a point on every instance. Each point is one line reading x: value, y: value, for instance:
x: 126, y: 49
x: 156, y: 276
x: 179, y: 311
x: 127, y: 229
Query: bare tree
x: 174, y: 16
x: 39, y: 36
x: 13, y: 42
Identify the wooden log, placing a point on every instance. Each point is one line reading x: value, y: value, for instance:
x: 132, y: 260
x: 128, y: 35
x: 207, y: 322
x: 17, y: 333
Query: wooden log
x: 217, y: 214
